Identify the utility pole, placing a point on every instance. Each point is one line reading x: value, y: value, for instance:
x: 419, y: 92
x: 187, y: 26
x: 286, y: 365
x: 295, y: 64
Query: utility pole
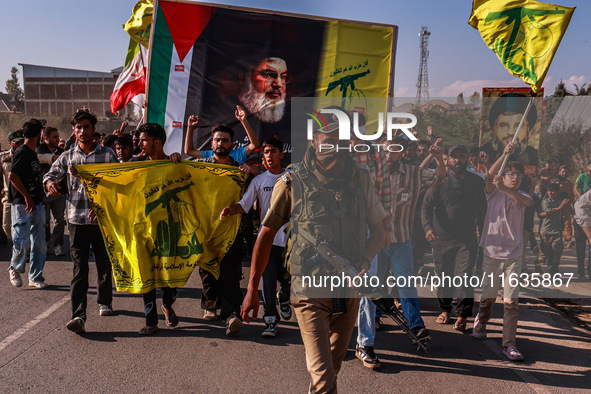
x: 423, y: 79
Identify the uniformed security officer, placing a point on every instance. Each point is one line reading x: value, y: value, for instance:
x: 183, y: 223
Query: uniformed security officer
x: 333, y: 200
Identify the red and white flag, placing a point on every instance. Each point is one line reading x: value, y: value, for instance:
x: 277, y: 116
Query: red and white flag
x: 131, y: 84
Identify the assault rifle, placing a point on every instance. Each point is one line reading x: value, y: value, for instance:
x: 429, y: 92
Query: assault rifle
x: 386, y: 305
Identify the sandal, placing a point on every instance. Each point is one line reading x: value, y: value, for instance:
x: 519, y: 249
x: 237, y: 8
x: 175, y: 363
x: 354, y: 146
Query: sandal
x: 460, y: 325
x: 170, y: 317
x: 148, y: 330
x: 442, y: 319
x: 512, y: 353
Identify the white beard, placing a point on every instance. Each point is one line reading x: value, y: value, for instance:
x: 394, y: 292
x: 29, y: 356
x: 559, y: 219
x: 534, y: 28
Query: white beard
x: 256, y: 102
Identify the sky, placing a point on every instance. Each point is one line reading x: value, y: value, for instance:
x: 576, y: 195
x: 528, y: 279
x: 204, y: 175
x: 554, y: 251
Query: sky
x: 88, y: 35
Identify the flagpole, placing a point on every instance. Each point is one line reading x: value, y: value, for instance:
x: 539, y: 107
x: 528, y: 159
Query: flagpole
x: 529, y: 104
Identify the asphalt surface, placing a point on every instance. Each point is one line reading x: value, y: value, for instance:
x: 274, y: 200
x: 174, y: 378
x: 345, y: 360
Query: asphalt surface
x: 38, y: 354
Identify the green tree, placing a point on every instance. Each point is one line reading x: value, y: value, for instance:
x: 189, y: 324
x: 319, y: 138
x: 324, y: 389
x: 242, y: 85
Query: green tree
x: 553, y: 104
x: 12, y: 85
x: 455, y: 126
x: 567, y: 144
x: 560, y: 90
x: 460, y: 98
x: 475, y: 98
x: 581, y: 91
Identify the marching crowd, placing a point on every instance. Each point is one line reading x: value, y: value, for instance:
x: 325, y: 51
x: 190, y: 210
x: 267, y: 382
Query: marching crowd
x: 382, y: 208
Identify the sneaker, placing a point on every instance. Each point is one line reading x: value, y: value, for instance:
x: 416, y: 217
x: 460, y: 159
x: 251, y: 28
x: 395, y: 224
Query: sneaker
x: 285, y: 310
x: 271, y: 330
x: 76, y: 325
x: 105, y: 310
x: 15, y: 278
x: 284, y: 307
x: 210, y: 315
x: 233, y: 325
x: 422, y: 334
x: 170, y: 317
x: 368, y: 356
x: 38, y: 284
x: 58, y: 250
x: 148, y: 330
x: 512, y: 353
x: 479, y: 329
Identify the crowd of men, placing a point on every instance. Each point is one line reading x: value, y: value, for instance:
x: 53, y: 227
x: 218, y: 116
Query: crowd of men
x: 380, y: 210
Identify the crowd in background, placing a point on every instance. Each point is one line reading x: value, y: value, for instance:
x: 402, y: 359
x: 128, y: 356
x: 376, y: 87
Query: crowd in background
x: 472, y: 212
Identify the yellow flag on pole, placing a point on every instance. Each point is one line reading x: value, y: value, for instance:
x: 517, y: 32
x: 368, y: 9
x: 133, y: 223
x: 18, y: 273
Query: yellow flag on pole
x: 160, y: 220
x: 139, y: 24
x: 523, y: 33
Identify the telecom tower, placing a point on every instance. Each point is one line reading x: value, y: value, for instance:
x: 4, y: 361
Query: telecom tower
x: 423, y: 80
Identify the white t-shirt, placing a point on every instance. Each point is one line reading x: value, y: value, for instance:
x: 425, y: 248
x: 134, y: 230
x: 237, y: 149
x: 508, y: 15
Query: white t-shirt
x: 502, y: 235
x: 261, y: 189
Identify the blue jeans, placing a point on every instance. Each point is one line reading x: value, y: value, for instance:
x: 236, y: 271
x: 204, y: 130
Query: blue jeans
x: 28, y: 231
x: 401, y: 262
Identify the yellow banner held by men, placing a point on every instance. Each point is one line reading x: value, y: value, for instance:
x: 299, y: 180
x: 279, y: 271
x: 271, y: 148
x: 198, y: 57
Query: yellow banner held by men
x: 139, y: 24
x: 160, y: 220
x: 523, y: 33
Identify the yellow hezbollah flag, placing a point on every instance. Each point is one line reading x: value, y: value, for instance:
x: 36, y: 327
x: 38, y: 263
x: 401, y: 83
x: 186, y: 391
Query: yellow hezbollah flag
x: 356, y: 64
x: 160, y: 220
x: 139, y: 24
x: 523, y: 33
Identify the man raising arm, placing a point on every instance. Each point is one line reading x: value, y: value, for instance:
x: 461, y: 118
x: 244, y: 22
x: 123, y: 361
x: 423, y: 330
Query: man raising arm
x: 239, y: 154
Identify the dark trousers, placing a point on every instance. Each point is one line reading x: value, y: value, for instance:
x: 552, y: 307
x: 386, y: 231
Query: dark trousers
x: 81, y: 238
x: 210, y: 291
x: 455, y: 259
x: 275, y: 271
x: 225, y: 292
x: 551, y: 247
x: 150, y: 310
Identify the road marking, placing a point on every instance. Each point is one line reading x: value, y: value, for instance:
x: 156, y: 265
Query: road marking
x: 528, y: 378
x: 22, y: 330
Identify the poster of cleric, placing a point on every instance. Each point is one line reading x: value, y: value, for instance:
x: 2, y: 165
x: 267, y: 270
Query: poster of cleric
x: 212, y: 59
x: 501, y: 113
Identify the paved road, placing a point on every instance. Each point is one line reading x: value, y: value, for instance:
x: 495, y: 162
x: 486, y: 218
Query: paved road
x: 38, y: 354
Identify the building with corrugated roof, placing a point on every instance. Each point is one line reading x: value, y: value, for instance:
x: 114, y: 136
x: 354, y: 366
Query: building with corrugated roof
x: 574, y: 111
x: 60, y: 91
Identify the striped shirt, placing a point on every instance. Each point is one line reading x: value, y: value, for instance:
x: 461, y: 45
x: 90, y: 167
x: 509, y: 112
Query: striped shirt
x: 378, y: 169
x: 406, y: 185
x: 78, y: 207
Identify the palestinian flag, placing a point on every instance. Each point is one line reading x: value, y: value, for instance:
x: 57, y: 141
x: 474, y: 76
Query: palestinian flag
x: 205, y: 60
